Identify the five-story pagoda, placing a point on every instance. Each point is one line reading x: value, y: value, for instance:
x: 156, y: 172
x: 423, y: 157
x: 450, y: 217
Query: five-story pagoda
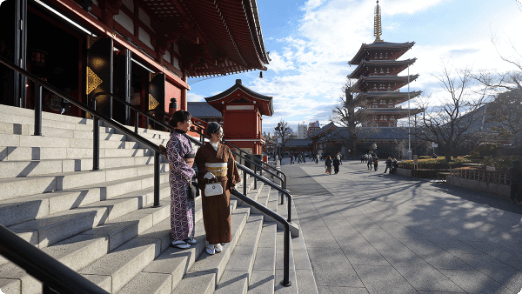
x: 378, y: 86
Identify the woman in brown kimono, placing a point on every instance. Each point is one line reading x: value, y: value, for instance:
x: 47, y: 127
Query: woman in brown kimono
x: 215, y: 160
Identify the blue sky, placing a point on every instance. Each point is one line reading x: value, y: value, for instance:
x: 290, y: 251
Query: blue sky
x: 310, y: 43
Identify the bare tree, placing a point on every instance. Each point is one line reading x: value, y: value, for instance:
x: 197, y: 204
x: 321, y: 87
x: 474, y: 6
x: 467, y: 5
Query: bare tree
x: 449, y: 124
x: 506, y: 109
x: 344, y: 114
x: 283, y: 131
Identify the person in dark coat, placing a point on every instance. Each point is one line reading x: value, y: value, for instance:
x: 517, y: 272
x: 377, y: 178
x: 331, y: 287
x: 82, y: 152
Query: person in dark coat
x: 375, y: 162
x: 388, y: 164
x: 328, y: 165
x: 336, y: 163
x: 515, y: 173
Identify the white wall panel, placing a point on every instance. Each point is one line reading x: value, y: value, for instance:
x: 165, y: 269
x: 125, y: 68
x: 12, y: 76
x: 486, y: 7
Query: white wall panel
x: 125, y: 21
x: 145, y: 38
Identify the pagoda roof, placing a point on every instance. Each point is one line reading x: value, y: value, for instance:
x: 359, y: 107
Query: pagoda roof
x: 372, y: 63
x: 387, y: 95
x: 384, y: 79
x: 238, y: 91
x: 217, y: 38
x: 393, y: 111
x: 380, y: 45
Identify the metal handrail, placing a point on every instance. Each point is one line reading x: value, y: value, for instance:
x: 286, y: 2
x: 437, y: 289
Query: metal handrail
x: 58, y: 277
x: 96, y: 128
x: 39, y: 264
x: 256, y: 159
x: 162, y: 124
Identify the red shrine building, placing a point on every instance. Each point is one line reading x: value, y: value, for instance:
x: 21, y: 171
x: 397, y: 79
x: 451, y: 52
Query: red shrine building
x: 378, y: 87
x: 242, y: 111
x: 142, y: 51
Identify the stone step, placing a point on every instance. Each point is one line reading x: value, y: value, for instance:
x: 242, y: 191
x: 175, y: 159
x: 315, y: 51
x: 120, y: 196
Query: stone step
x: 18, y: 169
x: 279, y: 267
x: 238, y: 272
x: 263, y: 273
x: 208, y: 269
x: 47, y: 153
x: 83, y: 131
x: 81, y: 124
x: 84, y: 249
x: 16, y: 187
x: 42, y: 141
x: 127, y: 274
x: 45, y: 115
x: 53, y: 228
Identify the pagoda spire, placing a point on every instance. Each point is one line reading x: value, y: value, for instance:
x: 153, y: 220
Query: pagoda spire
x: 377, y: 28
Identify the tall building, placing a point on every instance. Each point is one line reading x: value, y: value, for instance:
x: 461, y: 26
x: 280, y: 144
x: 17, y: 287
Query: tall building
x: 302, y: 131
x: 378, y: 87
x: 313, y: 127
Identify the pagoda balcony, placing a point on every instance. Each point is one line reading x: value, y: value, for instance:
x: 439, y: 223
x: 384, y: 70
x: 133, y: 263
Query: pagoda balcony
x: 380, y: 68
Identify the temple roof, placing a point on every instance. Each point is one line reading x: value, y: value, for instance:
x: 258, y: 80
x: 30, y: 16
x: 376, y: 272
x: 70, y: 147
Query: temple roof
x: 325, y: 128
x: 299, y: 143
x: 203, y: 110
x: 218, y: 37
x: 356, y: 73
x: 401, y: 48
x: 240, y: 92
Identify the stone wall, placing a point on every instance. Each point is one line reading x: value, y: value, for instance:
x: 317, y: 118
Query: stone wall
x: 404, y: 172
x: 501, y: 190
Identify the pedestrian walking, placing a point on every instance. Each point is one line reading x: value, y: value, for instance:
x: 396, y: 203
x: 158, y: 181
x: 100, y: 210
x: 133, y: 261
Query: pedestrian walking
x: 328, y: 165
x: 388, y: 164
x: 375, y: 162
x: 362, y: 157
x: 317, y: 158
x: 336, y: 163
x: 369, y: 162
x: 515, y: 173
x: 180, y: 153
x: 216, y: 162
x: 340, y: 157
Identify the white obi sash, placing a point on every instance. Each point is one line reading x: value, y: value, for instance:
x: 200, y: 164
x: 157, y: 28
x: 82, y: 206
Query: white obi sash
x: 217, y: 169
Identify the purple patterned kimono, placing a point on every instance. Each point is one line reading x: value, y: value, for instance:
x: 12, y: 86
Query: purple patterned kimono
x: 180, y: 154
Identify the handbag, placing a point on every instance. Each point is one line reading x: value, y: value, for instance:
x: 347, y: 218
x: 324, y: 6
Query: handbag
x: 213, y: 189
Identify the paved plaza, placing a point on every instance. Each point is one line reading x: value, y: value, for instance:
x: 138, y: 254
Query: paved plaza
x: 370, y: 232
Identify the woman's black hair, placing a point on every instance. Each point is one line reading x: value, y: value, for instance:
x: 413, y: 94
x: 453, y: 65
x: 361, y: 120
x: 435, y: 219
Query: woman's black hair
x: 213, y: 128
x: 179, y: 116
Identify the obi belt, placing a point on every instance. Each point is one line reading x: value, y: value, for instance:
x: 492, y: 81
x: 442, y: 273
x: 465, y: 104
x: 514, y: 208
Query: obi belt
x: 217, y: 169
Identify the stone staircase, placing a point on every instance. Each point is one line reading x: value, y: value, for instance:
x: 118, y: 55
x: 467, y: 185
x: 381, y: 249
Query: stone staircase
x: 102, y: 224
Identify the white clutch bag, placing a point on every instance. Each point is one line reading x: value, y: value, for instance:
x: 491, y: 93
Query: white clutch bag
x: 213, y: 189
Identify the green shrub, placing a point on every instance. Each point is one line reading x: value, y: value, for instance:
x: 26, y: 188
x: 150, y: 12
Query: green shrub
x: 485, y: 149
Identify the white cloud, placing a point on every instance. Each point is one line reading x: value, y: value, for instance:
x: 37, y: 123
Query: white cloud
x: 192, y: 97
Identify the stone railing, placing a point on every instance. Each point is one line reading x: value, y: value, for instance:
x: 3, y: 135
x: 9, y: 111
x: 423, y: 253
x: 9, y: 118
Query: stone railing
x: 494, y: 177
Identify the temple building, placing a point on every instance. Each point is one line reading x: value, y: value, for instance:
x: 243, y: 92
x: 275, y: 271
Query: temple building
x: 378, y: 87
x: 142, y: 51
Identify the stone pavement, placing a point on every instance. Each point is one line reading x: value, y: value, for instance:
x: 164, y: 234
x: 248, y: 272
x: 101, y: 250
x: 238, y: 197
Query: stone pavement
x: 370, y: 232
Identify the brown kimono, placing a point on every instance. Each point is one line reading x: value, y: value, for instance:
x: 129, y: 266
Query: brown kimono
x: 216, y: 209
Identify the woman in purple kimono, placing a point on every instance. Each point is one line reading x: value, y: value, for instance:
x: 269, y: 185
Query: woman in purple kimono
x: 180, y: 155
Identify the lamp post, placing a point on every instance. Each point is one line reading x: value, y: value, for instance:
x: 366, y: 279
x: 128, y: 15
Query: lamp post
x: 409, y: 117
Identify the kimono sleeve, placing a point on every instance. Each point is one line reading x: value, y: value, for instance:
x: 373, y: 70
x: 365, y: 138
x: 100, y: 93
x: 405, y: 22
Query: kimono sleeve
x: 176, y: 160
x: 233, y: 172
x: 200, y: 163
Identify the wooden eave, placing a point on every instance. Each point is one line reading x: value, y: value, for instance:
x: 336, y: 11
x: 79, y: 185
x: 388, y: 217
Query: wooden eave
x: 400, y: 64
x: 401, y: 81
x: 369, y: 96
x: 264, y: 103
x: 399, y: 48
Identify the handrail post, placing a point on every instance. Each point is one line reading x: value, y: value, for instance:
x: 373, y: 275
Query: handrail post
x: 286, y: 275
x: 136, y: 121
x: 147, y: 122
x: 255, y: 179
x: 95, y: 141
x: 156, y: 179
x: 38, y: 111
x: 289, y: 203
x: 244, y: 183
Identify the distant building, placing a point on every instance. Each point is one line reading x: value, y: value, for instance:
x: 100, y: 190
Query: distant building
x: 312, y: 128
x: 302, y: 132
